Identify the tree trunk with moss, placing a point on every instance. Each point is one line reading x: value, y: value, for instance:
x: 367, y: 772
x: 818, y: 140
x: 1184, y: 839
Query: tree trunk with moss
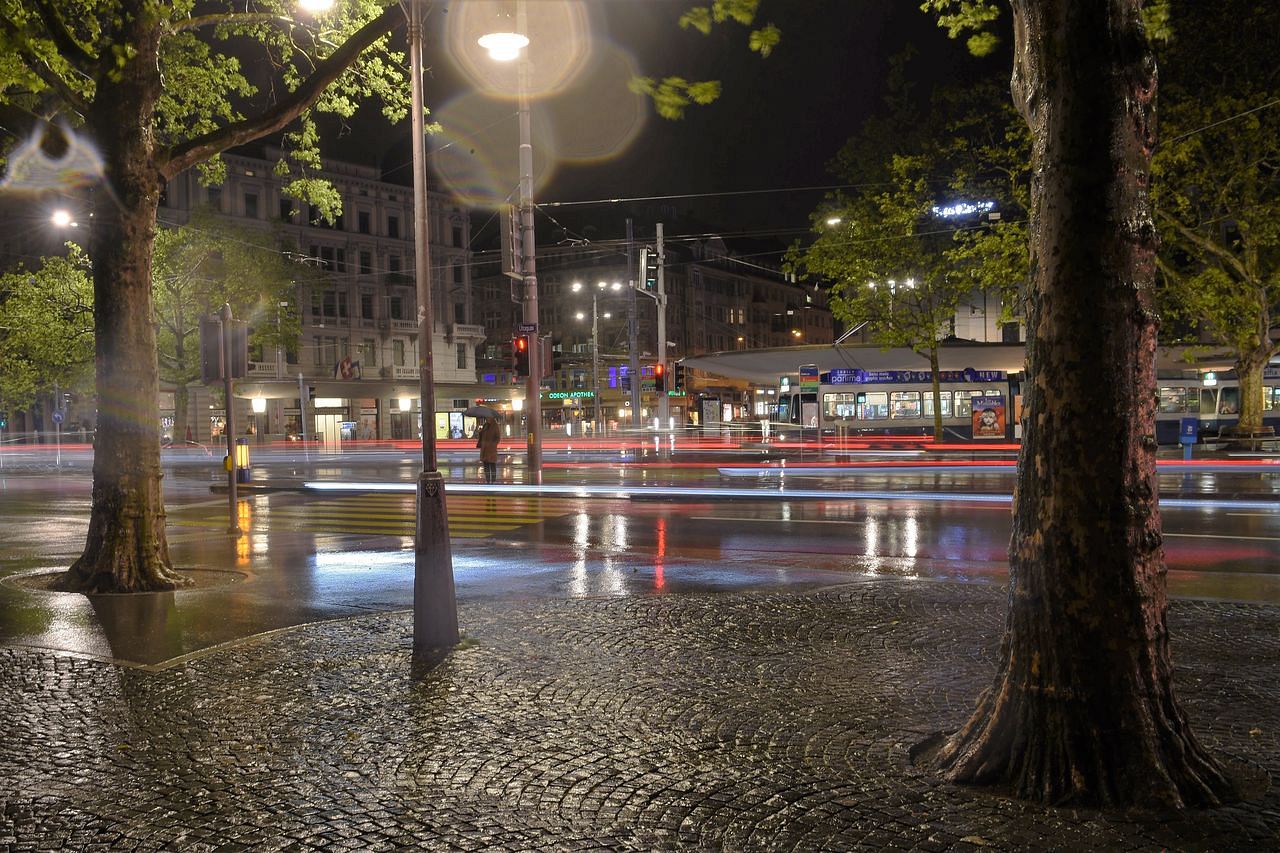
x: 1083, y: 709
x: 126, y: 549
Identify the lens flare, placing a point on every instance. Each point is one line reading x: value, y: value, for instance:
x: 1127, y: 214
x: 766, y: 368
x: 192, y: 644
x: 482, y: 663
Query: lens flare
x: 559, y: 42
x: 476, y: 152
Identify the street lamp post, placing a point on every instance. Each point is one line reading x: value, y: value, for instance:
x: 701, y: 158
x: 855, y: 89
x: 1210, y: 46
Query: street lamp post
x: 435, y: 607
x: 505, y: 47
x: 595, y: 342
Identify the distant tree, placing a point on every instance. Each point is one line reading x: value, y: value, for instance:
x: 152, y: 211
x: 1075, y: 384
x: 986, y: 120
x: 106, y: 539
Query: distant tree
x: 1217, y: 187
x: 156, y: 89
x: 894, y: 265
x: 197, y: 268
x: 46, y: 317
x: 1082, y: 708
x: 46, y: 329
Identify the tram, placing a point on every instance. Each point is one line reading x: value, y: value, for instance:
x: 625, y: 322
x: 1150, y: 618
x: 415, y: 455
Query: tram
x: 975, y: 404
x: 1215, y: 403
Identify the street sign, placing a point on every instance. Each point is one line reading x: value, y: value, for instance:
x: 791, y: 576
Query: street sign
x: 57, y: 417
x: 527, y: 327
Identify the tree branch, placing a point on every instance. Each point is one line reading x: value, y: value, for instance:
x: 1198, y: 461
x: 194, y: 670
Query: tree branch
x: 41, y: 69
x: 1199, y: 240
x: 71, y: 50
x: 230, y: 18
x: 188, y: 154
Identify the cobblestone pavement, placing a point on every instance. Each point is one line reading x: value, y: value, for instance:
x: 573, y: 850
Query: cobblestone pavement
x: 766, y: 721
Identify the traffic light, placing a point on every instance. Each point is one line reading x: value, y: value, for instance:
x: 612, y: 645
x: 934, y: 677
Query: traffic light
x: 648, y: 270
x: 557, y: 355
x: 520, y: 355
x: 677, y: 376
x: 660, y: 378
x: 4, y: 419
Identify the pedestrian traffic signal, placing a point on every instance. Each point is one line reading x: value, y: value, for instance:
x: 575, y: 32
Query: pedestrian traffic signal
x: 4, y: 419
x: 520, y: 355
x: 677, y: 376
x: 660, y: 378
x: 648, y: 270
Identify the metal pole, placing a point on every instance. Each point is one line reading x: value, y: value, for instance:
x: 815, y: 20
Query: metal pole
x: 302, y: 415
x: 633, y: 329
x: 435, y: 606
x: 664, y: 402
x: 595, y: 359
x: 533, y: 385
x: 228, y: 422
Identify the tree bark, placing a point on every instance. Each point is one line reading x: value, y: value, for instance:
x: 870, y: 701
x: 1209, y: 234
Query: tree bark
x: 1249, y: 374
x: 1082, y: 709
x: 126, y: 549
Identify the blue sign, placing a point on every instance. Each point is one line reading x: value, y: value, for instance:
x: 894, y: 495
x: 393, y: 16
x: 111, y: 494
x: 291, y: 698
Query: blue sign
x: 57, y: 417
x: 1188, y: 430
x: 853, y: 376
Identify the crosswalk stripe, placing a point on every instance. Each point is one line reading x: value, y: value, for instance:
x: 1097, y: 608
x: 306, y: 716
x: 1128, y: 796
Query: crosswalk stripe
x: 470, y: 517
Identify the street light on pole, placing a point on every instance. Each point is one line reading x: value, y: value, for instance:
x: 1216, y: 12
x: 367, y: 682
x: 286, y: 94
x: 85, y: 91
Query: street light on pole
x: 595, y: 341
x: 505, y: 47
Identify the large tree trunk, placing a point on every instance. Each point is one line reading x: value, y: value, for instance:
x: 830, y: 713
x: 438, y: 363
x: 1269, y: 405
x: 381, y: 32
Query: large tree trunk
x: 1083, y: 708
x: 126, y: 550
x: 1249, y: 373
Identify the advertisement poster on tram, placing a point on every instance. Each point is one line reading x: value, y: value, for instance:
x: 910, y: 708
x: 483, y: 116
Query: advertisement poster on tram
x: 988, y: 417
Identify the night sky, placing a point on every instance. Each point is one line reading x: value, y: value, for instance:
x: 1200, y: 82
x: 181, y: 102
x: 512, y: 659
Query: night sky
x: 778, y: 123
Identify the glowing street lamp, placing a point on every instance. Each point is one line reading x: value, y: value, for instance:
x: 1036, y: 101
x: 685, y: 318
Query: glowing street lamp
x: 504, y: 47
x: 62, y: 218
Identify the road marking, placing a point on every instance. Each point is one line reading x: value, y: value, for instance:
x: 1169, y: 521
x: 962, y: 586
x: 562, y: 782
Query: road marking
x: 1253, y: 514
x: 389, y: 514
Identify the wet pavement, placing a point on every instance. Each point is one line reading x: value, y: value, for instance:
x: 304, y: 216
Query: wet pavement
x: 634, y: 676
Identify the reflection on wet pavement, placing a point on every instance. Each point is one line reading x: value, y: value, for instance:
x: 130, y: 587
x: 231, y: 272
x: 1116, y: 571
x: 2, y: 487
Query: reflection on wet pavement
x: 305, y: 558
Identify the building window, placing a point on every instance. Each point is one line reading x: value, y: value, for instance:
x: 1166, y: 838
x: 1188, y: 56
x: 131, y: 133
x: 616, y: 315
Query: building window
x: 398, y: 350
x: 396, y: 307
x: 457, y: 236
x: 459, y: 274
x: 366, y: 306
x: 251, y: 205
x: 362, y: 221
x: 286, y: 209
x: 328, y: 350
x: 366, y: 263
x: 215, y: 198
x: 328, y: 305
x: 369, y: 353
x: 393, y: 263
x: 459, y: 312
x: 462, y: 356
x: 393, y: 227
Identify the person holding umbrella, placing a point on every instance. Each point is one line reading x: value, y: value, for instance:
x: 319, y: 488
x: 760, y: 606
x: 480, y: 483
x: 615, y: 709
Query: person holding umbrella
x: 487, y: 440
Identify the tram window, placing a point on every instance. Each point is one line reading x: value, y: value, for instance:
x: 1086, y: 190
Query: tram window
x: 1173, y: 399
x: 964, y: 408
x: 876, y: 406
x: 944, y: 399
x: 1208, y: 400
x: 1229, y: 401
x: 905, y: 404
x: 1270, y: 398
x: 842, y: 406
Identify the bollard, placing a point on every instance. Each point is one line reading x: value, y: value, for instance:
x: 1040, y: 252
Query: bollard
x: 242, y: 460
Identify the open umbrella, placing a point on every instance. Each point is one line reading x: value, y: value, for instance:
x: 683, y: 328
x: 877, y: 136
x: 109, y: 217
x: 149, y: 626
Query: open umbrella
x: 481, y: 412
